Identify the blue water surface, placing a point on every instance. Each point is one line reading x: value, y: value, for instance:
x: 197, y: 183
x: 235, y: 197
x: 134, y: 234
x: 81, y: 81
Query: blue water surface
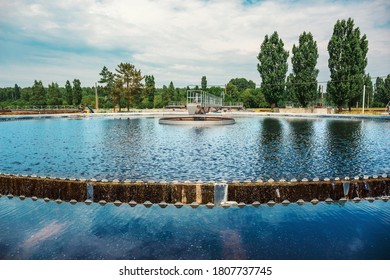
x: 41, y: 230
x: 139, y: 148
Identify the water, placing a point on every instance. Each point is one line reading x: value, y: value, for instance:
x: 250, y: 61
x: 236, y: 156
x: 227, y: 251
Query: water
x: 141, y: 149
x: 40, y: 230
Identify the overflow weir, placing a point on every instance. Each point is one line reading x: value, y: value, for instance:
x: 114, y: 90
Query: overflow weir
x: 195, y: 193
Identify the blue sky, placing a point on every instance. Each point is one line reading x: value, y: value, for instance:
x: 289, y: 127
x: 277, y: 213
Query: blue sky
x: 173, y: 40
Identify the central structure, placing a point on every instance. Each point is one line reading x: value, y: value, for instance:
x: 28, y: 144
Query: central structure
x: 199, y: 103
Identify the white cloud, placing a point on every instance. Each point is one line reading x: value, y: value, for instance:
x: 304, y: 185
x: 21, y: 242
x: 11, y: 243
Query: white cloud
x: 181, y: 40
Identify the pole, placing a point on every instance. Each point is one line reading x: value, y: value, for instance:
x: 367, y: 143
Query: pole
x: 364, y: 97
x: 96, y: 98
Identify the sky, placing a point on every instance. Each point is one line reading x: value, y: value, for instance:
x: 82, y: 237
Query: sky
x: 173, y: 40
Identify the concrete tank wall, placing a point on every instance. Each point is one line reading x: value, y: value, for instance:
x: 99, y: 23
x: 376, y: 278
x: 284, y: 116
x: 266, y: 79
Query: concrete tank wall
x: 190, y: 192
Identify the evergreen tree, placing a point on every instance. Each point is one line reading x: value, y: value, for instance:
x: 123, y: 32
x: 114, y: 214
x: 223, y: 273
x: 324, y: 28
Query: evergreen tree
x: 347, y: 63
x: 131, y: 79
x: 272, y: 68
x: 38, y: 96
x: 107, y: 78
x: 304, y: 72
x: 137, y: 87
x: 77, y: 92
x: 123, y: 77
x: 68, y: 93
x: 117, y: 93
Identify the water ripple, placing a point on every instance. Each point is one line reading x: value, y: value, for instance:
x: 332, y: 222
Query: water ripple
x: 141, y: 148
x: 39, y: 230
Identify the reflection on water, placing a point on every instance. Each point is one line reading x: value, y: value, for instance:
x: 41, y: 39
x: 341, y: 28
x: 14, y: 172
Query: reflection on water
x: 345, y: 142
x: 271, y: 147
x: 40, y: 230
x: 142, y: 149
x: 302, y: 136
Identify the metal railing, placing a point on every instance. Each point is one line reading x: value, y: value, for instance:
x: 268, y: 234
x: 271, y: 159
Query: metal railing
x: 203, y: 98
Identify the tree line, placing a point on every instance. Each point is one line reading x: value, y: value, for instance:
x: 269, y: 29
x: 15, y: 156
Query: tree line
x: 122, y: 90
x: 126, y: 87
x: 347, y: 62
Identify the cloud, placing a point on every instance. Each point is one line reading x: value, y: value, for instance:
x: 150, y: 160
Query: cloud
x: 173, y: 40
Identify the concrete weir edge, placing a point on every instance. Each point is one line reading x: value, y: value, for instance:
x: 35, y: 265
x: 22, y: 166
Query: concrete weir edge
x: 194, y: 194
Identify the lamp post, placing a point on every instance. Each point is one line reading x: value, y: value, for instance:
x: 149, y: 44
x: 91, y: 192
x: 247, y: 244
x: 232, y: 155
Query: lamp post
x: 96, y: 98
x: 364, y: 97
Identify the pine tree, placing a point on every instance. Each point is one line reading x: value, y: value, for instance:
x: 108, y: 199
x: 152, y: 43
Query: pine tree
x: 131, y: 79
x: 107, y: 78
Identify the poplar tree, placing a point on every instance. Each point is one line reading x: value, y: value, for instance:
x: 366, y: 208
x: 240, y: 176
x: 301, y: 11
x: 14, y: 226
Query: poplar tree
x: 303, y: 81
x: 272, y: 68
x: 16, y: 94
x: 68, y: 93
x: 204, y: 83
x: 171, y: 92
x: 347, y: 63
x: 77, y: 92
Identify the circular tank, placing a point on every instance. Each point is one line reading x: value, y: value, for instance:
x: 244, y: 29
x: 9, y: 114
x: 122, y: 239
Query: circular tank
x: 197, y: 121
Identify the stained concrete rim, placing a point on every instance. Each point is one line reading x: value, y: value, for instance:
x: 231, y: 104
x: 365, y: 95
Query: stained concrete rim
x: 191, y: 120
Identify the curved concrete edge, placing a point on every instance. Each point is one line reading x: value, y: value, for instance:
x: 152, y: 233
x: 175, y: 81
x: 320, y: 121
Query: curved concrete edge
x: 164, y: 113
x: 197, y: 121
x: 195, y: 193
